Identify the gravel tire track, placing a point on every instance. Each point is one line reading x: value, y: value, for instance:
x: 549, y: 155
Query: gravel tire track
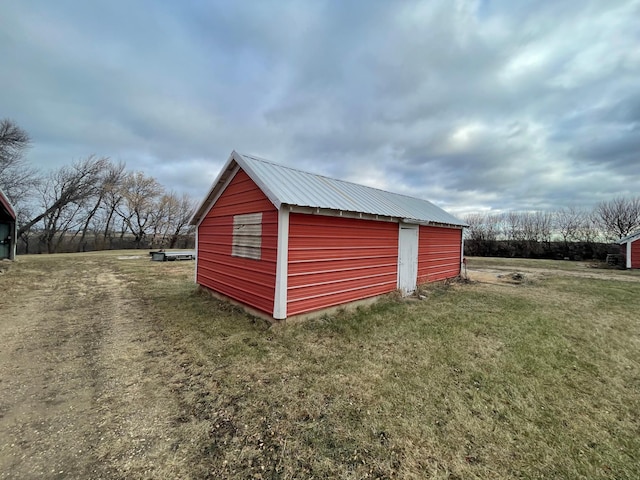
x: 83, y: 390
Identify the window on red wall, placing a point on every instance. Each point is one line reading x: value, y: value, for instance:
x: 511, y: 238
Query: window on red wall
x: 247, y: 235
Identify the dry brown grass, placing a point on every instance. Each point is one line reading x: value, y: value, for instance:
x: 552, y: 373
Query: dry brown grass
x: 472, y: 382
x: 538, y: 379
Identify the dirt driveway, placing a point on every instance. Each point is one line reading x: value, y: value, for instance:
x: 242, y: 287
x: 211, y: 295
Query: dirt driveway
x: 84, y: 390
x: 509, y: 275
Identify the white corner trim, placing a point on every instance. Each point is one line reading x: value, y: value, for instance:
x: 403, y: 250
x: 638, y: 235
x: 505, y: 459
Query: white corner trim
x: 398, y: 258
x: 282, y: 269
x: 205, y: 202
x: 629, y: 254
x: 195, y: 270
x: 213, y: 201
x: 461, y: 251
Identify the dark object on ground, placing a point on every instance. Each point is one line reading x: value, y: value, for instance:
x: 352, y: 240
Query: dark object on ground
x: 615, y: 259
x: 162, y: 256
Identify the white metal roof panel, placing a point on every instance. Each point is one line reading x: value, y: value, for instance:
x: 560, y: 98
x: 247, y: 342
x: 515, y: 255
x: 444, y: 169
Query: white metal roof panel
x: 629, y: 238
x: 295, y: 187
x: 286, y: 185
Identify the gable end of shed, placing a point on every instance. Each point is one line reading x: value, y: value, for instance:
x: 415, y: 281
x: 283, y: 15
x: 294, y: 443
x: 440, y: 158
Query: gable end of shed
x: 237, y: 244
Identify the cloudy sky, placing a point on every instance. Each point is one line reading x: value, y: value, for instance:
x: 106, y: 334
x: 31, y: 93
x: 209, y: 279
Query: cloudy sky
x: 475, y: 105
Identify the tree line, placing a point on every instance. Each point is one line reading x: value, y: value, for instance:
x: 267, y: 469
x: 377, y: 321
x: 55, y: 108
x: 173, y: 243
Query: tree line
x: 566, y: 232
x: 96, y: 203
x: 93, y: 203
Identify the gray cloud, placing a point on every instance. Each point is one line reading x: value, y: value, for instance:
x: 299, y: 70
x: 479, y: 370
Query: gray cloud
x: 475, y: 105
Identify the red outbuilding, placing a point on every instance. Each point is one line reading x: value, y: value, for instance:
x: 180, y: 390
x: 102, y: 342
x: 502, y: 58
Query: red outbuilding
x: 630, y: 247
x: 286, y: 242
x: 7, y: 228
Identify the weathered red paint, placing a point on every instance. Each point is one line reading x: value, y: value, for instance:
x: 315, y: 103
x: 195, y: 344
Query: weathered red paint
x: 439, y: 251
x: 334, y: 260
x: 635, y: 254
x: 249, y: 281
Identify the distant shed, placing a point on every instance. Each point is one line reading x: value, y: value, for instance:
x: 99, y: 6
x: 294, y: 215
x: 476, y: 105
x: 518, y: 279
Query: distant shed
x: 630, y: 246
x: 287, y: 242
x: 7, y: 228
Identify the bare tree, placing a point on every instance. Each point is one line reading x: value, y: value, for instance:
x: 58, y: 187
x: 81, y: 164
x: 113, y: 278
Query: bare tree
x: 544, y: 226
x: 180, y: 211
x: 589, y: 231
x: 110, y: 181
x: 86, y: 200
x: 62, y: 217
x: 160, y: 219
x: 23, y: 215
x: 529, y: 224
x: 474, y: 226
x: 512, y: 226
x: 568, y: 223
x: 17, y: 178
x: 482, y: 233
x: 111, y: 201
x: 69, y: 185
x: 529, y: 232
x: 618, y: 217
x: 170, y: 219
x: 140, y: 194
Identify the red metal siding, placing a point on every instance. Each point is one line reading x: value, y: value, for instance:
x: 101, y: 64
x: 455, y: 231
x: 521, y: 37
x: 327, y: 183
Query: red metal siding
x: 439, y: 252
x: 249, y: 281
x: 334, y: 260
x: 635, y: 254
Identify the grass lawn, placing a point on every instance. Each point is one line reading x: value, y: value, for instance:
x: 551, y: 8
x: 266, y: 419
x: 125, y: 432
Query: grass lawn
x: 553, y: 265
x: 476, y: 381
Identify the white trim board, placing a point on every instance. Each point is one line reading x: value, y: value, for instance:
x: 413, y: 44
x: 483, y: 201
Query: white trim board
x: 282, y: 265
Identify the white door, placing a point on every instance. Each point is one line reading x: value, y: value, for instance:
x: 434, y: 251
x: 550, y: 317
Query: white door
x: 407, y: 258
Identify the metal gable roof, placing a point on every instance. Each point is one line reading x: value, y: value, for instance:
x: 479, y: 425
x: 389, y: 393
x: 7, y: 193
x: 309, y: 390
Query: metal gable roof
x: 285, y: 185
x: 629, y: 238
